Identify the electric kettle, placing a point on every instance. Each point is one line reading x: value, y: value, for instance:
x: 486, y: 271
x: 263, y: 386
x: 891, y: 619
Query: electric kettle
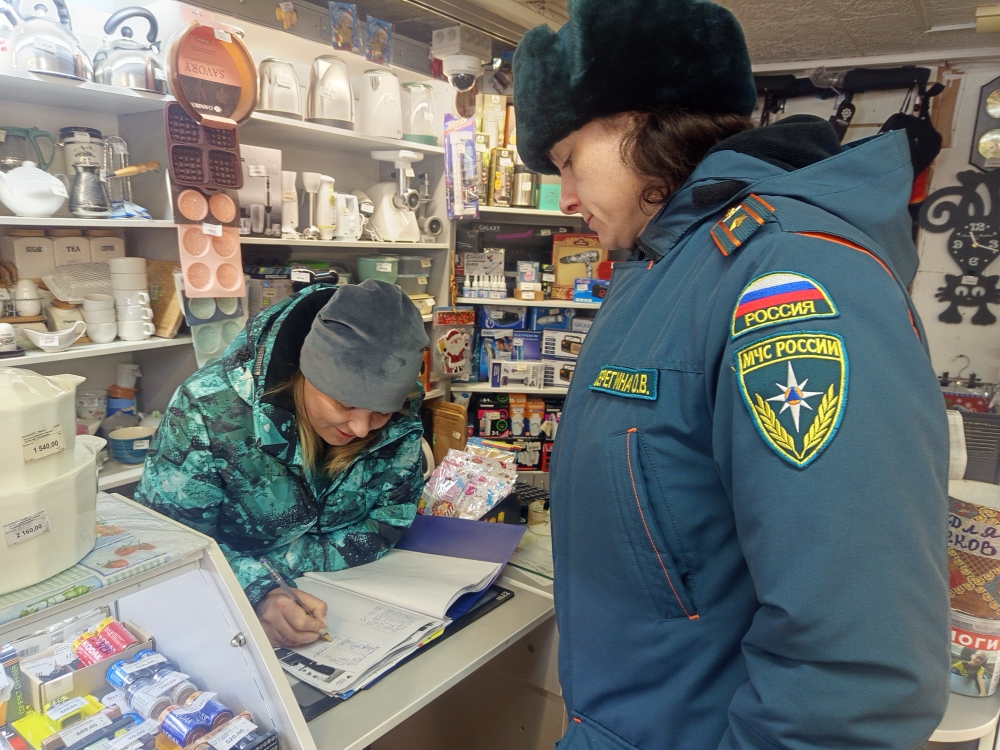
x: 380, y: 113
x: 44, y: 45
x: 330, y: 100
x: 123, y: 61
x: 279, y: 89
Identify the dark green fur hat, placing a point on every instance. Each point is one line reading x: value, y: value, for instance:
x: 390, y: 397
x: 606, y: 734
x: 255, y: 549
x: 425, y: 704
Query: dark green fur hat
x: 624, y: 56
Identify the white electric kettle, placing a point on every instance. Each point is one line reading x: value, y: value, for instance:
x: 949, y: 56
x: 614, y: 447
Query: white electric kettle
x: 380, y: 112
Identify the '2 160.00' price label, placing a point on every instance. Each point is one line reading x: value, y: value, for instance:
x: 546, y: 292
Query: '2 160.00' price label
x: 42, y: 443
x: 26, y: 528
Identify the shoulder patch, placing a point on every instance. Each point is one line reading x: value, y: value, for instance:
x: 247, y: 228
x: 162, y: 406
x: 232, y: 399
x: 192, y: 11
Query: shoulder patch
x: 739, y: 224
x: 780, y: 297
x: 805, y: 374
x: 624, y: 381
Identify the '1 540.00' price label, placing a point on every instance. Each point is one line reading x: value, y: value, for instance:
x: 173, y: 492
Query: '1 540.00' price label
x: 42, y: 443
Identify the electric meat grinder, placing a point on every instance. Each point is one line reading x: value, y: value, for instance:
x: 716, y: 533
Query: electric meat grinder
x: 395, y: 217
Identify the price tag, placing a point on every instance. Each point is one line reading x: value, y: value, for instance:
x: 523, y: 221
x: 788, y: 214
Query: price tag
x: 81, y: 137
x: 45, y: 45
x: 116, y: 698
x: 201, y: 701
x: 234, y: 731
x: 59, y: 189
x: 160, y: 75
x: 148, y: 728
x: 326, y: 92
x: 144, y: 663
x: 301, y: 276
x: 284, y: 82
x: 42, y: 443
x: 421, y: 279
x: 63, y: 708
x: 63, y: 655
x: 256, y: 170
x: 382, y: 267
x: 3, y: 136
x: 84, y: 728
x: 140, y: 445
x: 40, y: 667
x: 164, y: 686
x: 425, y: 262
x: 549, y: 277
x: 223, y: 36
x: 429, y: 116
x: 287, y: 7
x: 26, y: 528
x: 213, y: 230
x: 289, y: 196
x: 969, y: 280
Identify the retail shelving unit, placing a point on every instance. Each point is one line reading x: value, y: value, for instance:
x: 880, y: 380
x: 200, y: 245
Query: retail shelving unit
x: 512, y: 302
x: 486, y: 388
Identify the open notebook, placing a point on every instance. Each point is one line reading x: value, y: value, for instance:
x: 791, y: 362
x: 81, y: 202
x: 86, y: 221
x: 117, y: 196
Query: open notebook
x: 428, y: 584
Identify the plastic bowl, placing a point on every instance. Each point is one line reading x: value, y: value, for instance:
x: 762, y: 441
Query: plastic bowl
x: 412, y: 283
x: 130, y: 444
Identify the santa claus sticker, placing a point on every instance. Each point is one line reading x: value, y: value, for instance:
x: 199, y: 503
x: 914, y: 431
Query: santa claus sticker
x: 454, y: 348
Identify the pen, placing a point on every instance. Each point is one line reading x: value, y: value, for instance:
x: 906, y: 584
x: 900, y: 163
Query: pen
x: 290, y: 593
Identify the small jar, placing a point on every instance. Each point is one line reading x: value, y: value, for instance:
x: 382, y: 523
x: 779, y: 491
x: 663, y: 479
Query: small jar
x: 81, y: 143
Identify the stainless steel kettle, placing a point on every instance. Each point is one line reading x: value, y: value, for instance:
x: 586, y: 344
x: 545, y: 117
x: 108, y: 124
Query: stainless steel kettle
x: 123, y: 61
x: 44, y: 45
x: 330, y: 100
x: 279, y: 89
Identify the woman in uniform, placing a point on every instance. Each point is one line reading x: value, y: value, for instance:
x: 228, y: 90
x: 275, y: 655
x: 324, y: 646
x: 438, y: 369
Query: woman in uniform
x: 300, y: 445
x: 748, y: 490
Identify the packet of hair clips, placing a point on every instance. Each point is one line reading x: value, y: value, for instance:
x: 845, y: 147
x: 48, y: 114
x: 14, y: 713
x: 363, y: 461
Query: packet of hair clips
x: 467, y: 486
x: 344, y: 26
x: 378, y: 41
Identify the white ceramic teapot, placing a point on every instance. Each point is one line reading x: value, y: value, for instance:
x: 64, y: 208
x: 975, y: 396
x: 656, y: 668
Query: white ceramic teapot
x: 30, y: 191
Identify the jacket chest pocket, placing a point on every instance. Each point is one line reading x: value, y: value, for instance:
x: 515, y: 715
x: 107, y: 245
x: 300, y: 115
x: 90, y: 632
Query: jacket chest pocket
x: 653, y: 556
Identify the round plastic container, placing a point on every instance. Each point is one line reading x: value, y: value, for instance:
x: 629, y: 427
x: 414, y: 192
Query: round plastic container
x: 382, y: 267
x: 412, y: 283
x: 91, y: 404
x: 129, y: 445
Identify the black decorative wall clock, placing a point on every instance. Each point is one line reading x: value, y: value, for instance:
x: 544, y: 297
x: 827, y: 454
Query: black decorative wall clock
x: 970, y: 211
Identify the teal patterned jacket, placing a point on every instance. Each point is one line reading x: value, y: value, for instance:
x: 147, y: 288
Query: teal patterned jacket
x: 226, y: 461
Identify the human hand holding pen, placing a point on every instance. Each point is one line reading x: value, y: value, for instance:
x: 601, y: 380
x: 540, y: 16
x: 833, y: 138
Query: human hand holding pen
x: 291, y: 618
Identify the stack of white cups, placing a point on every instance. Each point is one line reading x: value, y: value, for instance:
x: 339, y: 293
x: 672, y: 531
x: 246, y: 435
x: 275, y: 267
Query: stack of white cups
x: 130, y: 287
x: 99, y: 314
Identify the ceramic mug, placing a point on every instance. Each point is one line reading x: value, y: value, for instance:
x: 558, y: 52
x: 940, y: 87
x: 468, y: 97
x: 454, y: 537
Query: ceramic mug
x: 134, y: 281
x: 8, y: 339
x: 134, y: 312
x: 96, y: 317
x: 135, y: 330
x: 93, y: 302
x: 127, y: 265
x: 130, y: 297
x: 102, y: 333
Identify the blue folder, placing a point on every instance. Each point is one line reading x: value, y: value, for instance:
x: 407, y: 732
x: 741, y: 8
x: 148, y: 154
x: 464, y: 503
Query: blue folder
x: 459, y: 537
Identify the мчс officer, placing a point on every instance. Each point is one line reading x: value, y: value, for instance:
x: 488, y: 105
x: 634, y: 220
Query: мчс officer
x: 749, y: 487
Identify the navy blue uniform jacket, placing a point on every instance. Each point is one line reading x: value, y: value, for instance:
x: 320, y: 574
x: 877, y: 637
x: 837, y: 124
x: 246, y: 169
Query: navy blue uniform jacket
x: 749, y: 489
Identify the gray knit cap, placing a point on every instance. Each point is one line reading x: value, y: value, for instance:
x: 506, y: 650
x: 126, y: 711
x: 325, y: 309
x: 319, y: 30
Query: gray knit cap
x: 366, y: 347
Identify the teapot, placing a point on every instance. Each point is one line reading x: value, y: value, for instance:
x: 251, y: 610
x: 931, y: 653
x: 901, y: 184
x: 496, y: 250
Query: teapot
x: 29, y: 191
x: 44, y: 45
x: 126, y: 62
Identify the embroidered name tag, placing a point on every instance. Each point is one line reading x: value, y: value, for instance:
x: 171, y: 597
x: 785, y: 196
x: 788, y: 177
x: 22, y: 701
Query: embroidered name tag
x: 624, y: 381
x: 780, y: 297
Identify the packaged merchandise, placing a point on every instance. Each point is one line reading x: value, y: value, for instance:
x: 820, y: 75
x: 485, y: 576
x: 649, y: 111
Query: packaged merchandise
x: 556, y: 318
x: 526, y: 346
x: 344, y: 27
x: 491, y: 115
x: 378, y: 41
x: 514, y: 375
x: 494, y: 345
x: 483, y: 150
x: 260, y: 197
x: 574, y: 256
x: 502, y: 317
x: 526, y: 416
x: 529, y: 453
x: 487, y: 263
x: 581, y: 324
x: 553, y: 413
x: 590, y: 290
x: 546, y: 455
x: 268, y: 285
x: 549, y: 192
x: 461, y: 175
x: 501, y: 177
x: 493, y: 416
x: 12, y: 703
x: 468, y: 486
x: 528, y: 271
x: 559, y: 373
x: 451, y: 343
x: 562, y: 344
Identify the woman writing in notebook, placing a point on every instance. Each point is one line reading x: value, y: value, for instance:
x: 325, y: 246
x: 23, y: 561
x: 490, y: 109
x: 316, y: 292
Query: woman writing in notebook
x: 301, y: 445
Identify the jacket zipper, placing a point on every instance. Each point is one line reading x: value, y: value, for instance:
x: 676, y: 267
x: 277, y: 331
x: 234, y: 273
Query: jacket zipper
x: 645, y: 526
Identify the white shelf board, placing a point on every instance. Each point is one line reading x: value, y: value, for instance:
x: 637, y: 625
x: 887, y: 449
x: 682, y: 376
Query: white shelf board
x: 344, y: 245
x: 114, y: 474
x: 511, y: 302
x: 80, y: 351
x: 30, y: 221
x: 487, y: 388
x: 523, y: 212
x: 67, y: 93
x: 275, y: 130
x: 967, y: 718
x: 433, y: 393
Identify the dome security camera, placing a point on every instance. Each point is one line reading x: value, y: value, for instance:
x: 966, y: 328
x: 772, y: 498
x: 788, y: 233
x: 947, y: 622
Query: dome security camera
x: 461, y: 70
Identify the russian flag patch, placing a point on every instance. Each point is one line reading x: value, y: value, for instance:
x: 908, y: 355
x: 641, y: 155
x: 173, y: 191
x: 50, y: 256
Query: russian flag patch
x: 780, y: 297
